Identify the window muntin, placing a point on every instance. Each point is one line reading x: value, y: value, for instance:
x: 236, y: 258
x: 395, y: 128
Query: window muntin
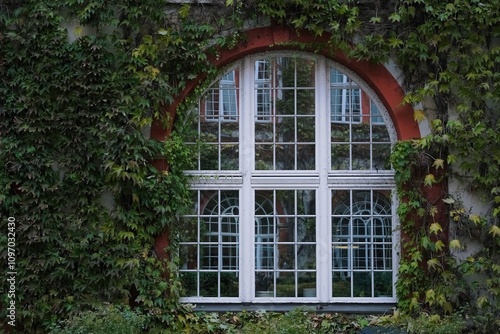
x: 298, y: 112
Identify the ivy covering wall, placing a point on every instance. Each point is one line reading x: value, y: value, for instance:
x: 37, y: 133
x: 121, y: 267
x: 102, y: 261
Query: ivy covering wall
x: 77, y: 171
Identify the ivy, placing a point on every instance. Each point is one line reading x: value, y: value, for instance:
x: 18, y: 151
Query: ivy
x: 77, y: 171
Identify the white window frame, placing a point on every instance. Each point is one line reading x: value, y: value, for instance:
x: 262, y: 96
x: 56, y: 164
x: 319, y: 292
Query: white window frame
x: 247, y: 179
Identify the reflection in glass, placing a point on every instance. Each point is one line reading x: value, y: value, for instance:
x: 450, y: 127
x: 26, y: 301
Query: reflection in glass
x: 361, y: 240
x: 284, y: 93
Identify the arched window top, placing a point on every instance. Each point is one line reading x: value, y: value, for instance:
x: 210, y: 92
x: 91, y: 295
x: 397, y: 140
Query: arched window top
x: 285, y: 101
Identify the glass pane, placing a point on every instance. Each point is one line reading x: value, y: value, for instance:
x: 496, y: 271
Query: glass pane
x: 263, y: 132
x: 285, y: 102
x: 209, y: 132
x: 361, y: 256
x: 264, y: 281
x: 188, y: 256
x: 209, y: 157
x: 286, y: 200
x: 340, y: 157
x: 336, y: 76
x: 306, y: 157
x: 340, y: 132
x: 380, y: 133
x: 360, y: 156
x: 341, y: 285
x: 337, y: 108
x: 341, y: 253
x: 305, y: 72
x: 209, y: 230
x: 285, y: 284
x: 264, y: 157
x: 285, y: 129
x: 382, y: 156
x: 362, y: 284
x: 229, y: 285
x: 306, y: 202
x: 229, y: 132
x: 382, y: 256
x: 209, y: 257
x: 230, y: 257
x: 264, y: 202
x: 306, y: 229
x: 286, y: 256
x: 383, y: 284
x: 305, y: 102
x: 288, y: 78
x: 306, y: 257
x: 305, y: 129
x: 209, y: 284
x: 285, y: 157
x: 307, y: 284
x: 361, y: 132
x: 229, y: 229
x: 229, y: 157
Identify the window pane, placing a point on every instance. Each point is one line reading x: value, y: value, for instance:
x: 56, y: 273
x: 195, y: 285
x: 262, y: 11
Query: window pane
x: 264, y: 132
x: 341, y: 285
x: 341, y: 157
x: 285, y: 157
x: 285, y: 129
x: 361, y: 132
x: 305, y: 102
x: 264, y: 157
x: 361, y: 156
x: 285, y: 285
x: 305, y: 129
x: 209, y: 284
x: 229, y: 284
x: 362, y: 286
x: 229, y: 157
x: 383, y: 284
x: 306, y: 157
x: 382, y: 156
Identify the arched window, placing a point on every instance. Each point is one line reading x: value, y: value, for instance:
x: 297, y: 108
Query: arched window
x: 293, y: 187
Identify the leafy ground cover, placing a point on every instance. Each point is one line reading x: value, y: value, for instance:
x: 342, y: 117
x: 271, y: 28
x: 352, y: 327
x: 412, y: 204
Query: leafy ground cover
x: 109, y: 319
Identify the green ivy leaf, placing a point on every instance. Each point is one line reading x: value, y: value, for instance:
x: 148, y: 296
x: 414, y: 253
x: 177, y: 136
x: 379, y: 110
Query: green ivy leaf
x: 435, y: 228
x: 455, y: 244
x: 429, y: 180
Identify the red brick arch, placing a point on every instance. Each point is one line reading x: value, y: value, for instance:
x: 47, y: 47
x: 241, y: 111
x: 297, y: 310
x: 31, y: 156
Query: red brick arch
x: 274, y: 38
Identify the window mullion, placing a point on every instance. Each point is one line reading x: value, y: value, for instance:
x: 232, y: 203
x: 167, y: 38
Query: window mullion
x: 323, y: 230
x: 247, y: 163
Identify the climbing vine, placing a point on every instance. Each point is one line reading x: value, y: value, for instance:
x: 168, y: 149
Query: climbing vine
x: 78, y: 174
